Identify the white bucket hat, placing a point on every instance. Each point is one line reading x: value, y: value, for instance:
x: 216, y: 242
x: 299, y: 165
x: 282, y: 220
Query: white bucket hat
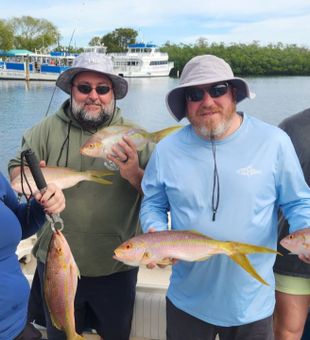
x: 95, y: 62
x: 204, y: 70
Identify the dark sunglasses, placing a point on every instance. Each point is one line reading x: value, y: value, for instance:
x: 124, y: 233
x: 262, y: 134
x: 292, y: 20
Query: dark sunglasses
x: 196, y: 94
x: 86, y: 89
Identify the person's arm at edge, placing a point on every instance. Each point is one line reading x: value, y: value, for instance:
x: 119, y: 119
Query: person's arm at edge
x: 155, y: 204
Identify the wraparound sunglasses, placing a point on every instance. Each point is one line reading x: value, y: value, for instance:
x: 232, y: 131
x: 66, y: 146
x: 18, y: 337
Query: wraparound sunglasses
x: 196, y: 94
x: 86, y: 89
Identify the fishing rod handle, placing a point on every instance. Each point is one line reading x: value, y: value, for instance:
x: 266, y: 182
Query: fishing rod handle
x: 35, y: 169
x: 39, y: 179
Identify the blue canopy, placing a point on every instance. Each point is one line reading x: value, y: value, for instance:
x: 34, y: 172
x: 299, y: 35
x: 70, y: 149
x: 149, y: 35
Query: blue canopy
x: 14, y: 53
x: 141, y: 45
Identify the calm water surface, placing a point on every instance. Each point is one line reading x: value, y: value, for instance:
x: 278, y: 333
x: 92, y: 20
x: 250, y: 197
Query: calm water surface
x: 22, y: 104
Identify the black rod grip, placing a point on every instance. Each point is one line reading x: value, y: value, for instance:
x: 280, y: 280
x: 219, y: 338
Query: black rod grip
x: 35, y: 169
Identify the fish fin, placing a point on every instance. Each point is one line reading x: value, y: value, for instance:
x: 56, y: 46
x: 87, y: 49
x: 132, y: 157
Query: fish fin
x: 165, y: 261
x: 203, y: 258
x: 102, y: 181
x: 146, y: 256
x: 96, y: 176
x: 99, y: 173
x: 78, y: 272
x: 158, y: 135
x: 55, y: 322
x: 244, y: 262
x: 199, y: 233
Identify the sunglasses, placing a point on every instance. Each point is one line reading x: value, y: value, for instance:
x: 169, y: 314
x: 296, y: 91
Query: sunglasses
x: 86, y: 89
x: 196, y: 94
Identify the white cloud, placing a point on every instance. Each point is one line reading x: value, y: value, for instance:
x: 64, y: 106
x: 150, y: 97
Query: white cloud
x: 177, y: 21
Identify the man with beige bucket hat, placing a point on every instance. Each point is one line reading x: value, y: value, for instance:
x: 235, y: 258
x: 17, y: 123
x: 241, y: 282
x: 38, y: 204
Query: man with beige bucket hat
x: 97, y: 217
x: 225, y: 175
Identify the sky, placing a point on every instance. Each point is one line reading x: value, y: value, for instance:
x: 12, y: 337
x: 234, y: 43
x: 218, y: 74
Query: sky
x: 176, y: 21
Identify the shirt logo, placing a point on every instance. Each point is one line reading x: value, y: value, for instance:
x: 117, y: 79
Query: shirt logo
x: 248, y: 171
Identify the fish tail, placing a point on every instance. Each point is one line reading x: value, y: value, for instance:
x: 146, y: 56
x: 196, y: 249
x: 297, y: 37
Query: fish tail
x: 97, y: 176
x: 244, y: 248
x: 244, y: 262
x: 158, y: 135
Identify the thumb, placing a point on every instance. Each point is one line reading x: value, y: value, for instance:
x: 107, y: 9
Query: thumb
x: 42, y: 164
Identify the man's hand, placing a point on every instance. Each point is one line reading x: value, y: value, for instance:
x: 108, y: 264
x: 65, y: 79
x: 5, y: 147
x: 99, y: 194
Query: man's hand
x: 126, y: 158
x: 152, y: 265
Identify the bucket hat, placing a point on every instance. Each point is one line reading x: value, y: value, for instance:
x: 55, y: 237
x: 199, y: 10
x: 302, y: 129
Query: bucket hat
x: 95, y: 62
x: 204, y: 70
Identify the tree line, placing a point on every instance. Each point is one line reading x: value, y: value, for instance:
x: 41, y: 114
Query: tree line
x: 246, y: 59
x: 251, y: 59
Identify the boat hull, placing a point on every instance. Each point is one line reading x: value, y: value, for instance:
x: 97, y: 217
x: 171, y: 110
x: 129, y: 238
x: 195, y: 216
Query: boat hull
x: 21, y: 75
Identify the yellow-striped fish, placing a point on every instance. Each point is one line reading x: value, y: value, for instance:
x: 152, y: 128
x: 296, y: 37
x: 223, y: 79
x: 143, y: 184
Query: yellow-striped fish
x: 164, y: 246
x: 60, y: 283
x: 63, y: 177
x: 100, y: 144
x: 298, y: 242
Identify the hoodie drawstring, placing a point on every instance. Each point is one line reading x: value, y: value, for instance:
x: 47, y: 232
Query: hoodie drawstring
x: 67, y: 139
x: 216, y: 183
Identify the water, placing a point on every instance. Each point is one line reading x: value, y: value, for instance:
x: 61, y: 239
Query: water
x: 22, y: 104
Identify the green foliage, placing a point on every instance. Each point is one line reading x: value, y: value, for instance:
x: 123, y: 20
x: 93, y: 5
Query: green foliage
x: 245, y: 59
x: 31, y: 33
x: 6, y: 35
x: 117, y: 40
x: 95, y: 41
x: 70, y: 49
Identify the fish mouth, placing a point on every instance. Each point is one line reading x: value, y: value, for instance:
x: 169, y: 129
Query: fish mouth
x: 117, y: 255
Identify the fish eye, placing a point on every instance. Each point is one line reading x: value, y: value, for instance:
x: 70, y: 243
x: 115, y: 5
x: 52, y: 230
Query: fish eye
x: 128, y: 246
x: 91, y: 146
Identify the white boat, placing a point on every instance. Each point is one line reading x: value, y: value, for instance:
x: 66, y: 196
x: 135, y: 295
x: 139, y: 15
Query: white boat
x: 142, y: 60
x: 26, y: 65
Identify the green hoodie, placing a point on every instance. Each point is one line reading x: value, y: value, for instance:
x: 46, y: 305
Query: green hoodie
x: 97, y: 218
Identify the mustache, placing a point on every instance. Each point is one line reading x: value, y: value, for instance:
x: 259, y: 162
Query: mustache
x: 92, y: 102
x: 210, y: 108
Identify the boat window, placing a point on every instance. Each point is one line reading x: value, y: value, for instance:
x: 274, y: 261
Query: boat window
x: 158, y: 62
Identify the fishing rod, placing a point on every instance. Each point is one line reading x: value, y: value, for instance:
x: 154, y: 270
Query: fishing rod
x: 39, y: 179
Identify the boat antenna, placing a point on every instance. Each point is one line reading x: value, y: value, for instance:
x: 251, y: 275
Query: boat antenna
x: 71, y: 39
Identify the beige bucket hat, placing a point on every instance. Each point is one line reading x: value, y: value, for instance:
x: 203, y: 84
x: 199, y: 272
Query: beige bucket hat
x: 204, y: 70
x: 96, y: 62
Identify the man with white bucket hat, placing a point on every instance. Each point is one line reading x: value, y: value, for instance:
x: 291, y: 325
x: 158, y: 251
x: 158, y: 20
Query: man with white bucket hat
x: 97, y: 218
x: 225, y: 175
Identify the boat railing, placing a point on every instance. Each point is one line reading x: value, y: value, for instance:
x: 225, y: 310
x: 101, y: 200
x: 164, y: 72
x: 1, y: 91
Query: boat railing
x: 138, y: 54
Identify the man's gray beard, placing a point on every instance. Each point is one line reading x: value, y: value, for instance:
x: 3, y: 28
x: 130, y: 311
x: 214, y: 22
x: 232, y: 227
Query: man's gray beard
x: 214, y: 132
x: 88, y: 121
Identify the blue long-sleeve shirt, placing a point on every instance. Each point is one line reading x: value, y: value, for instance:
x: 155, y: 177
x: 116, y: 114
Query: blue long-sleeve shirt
x: 14, y: 288
x: 259, y: 173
